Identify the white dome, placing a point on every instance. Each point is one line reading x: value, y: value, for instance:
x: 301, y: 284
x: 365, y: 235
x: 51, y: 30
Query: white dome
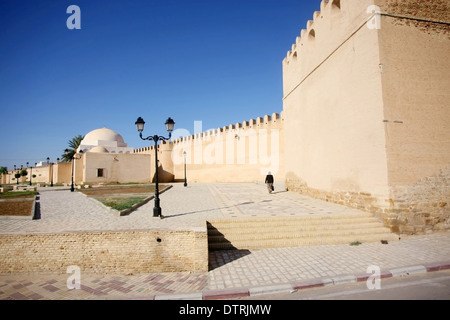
x: 104, y: 135
x: 108, y: 140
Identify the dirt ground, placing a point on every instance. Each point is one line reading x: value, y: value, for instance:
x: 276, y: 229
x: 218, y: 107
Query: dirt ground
x: 16, y: 207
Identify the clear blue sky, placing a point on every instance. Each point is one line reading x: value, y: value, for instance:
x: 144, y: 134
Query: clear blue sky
x: 219, y: 62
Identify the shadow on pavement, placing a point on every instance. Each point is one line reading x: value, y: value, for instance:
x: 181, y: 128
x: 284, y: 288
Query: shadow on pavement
x: 220, y: 258
x: 37, y: 208
x: 206, y: 210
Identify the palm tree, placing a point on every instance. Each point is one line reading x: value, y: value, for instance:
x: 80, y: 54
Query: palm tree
x: 3, y: 170
x: 73, y: 146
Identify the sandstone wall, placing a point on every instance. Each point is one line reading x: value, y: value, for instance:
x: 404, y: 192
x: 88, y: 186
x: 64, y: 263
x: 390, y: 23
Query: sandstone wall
x: 106, y: 252
x: 366, y: 110
x: 117, y: 168
x: 333, y: 105
x: 244, y: 152
x: 414, y: 44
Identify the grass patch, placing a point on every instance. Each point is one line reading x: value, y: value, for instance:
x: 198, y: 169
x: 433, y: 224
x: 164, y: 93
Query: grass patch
x: 121, y: 203
x: 16, y: 203
x: 106, y: 190
x: 122, y: 197
x: 355, y: 243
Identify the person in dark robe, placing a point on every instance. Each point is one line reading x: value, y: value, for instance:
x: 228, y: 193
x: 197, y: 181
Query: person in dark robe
x: 269, y: 182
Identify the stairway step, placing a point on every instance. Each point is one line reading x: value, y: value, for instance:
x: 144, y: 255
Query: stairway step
x: 276, y: 243
x: 289, y: 228
x: 290, y: 218
x: 258, y: 233
x: 289, y: 222
x: 300, y: 235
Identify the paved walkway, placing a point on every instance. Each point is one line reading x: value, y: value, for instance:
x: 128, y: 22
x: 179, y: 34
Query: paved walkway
x: 232, y: 273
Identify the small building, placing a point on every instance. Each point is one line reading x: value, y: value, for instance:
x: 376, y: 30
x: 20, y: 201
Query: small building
x: 106, y: 158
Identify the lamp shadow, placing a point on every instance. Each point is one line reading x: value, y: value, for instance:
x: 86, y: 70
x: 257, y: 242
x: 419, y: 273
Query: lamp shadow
x: 37, y: 208
x: 206, y: 210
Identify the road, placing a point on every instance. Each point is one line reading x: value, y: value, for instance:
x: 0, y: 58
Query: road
x: 424, y: 286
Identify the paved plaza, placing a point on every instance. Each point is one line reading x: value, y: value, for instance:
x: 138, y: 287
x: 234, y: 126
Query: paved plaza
x: 230, y: 272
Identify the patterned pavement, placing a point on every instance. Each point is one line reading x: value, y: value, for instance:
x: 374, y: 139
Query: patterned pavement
x: 183, y: 207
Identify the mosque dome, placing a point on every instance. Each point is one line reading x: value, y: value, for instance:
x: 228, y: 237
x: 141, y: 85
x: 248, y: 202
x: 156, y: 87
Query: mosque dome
x: 103, y: 135
x: 104, y: 140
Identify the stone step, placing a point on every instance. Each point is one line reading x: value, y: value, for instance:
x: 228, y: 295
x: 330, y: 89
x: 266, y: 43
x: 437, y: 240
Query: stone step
x: 281, y: 234
x: 286, y: 229
x: 288, y: 220
x: 257, y: 233
x: 314, y: 241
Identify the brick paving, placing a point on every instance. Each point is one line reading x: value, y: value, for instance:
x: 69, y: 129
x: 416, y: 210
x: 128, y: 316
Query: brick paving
x: 62, y: 210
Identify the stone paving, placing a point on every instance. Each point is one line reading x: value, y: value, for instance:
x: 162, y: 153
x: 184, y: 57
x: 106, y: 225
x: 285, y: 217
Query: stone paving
x: 62, y: 210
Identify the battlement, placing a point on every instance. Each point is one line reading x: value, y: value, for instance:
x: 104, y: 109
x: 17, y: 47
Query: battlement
x: 334, y: 17
x: 339, y: 21
x: 274, y: 121
x: 267, y: 122
x: 149, y: 149
x: 336, y: 21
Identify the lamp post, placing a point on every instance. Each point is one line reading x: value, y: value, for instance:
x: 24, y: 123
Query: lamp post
x: 185, y: 180
x: 16, y: 175
x: 72, y: 187
x: 169, y: 127
x: 51, y: 171
x: 31, y: 172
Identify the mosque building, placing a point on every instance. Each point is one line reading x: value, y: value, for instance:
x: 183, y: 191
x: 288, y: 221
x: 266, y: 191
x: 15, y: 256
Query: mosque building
x: 104, y: 157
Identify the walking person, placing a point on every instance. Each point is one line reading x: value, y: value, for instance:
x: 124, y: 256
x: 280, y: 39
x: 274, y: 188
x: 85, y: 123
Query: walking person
x: 269, y: 182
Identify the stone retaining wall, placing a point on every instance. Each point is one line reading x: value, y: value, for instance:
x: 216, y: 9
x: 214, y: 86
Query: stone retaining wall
x: 419, y: 208
x: 129, y: 252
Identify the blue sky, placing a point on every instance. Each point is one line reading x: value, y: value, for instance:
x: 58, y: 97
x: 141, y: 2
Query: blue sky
x: 219, y: 62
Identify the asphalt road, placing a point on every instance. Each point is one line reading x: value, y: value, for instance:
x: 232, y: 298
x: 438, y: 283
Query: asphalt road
x: 424, y: 286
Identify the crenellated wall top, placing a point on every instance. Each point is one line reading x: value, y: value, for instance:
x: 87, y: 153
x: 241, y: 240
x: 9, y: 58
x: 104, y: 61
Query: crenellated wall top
x: 329, y: 27
x: 267, y: 122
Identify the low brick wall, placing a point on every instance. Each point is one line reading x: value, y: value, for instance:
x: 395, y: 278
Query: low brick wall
x: 129, y: 252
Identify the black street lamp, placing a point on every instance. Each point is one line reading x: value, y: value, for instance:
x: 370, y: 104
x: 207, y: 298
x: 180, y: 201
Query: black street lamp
x: 72, y: 187
x: 51, y: 171
x: 17, y: 174
x: 185, y: 180
x: 31, y: 172
x: 169, y: 127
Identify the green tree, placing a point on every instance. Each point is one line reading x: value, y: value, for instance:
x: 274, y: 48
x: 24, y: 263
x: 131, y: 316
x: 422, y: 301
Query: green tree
x: 73, y: 146
x: 3, y: 170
